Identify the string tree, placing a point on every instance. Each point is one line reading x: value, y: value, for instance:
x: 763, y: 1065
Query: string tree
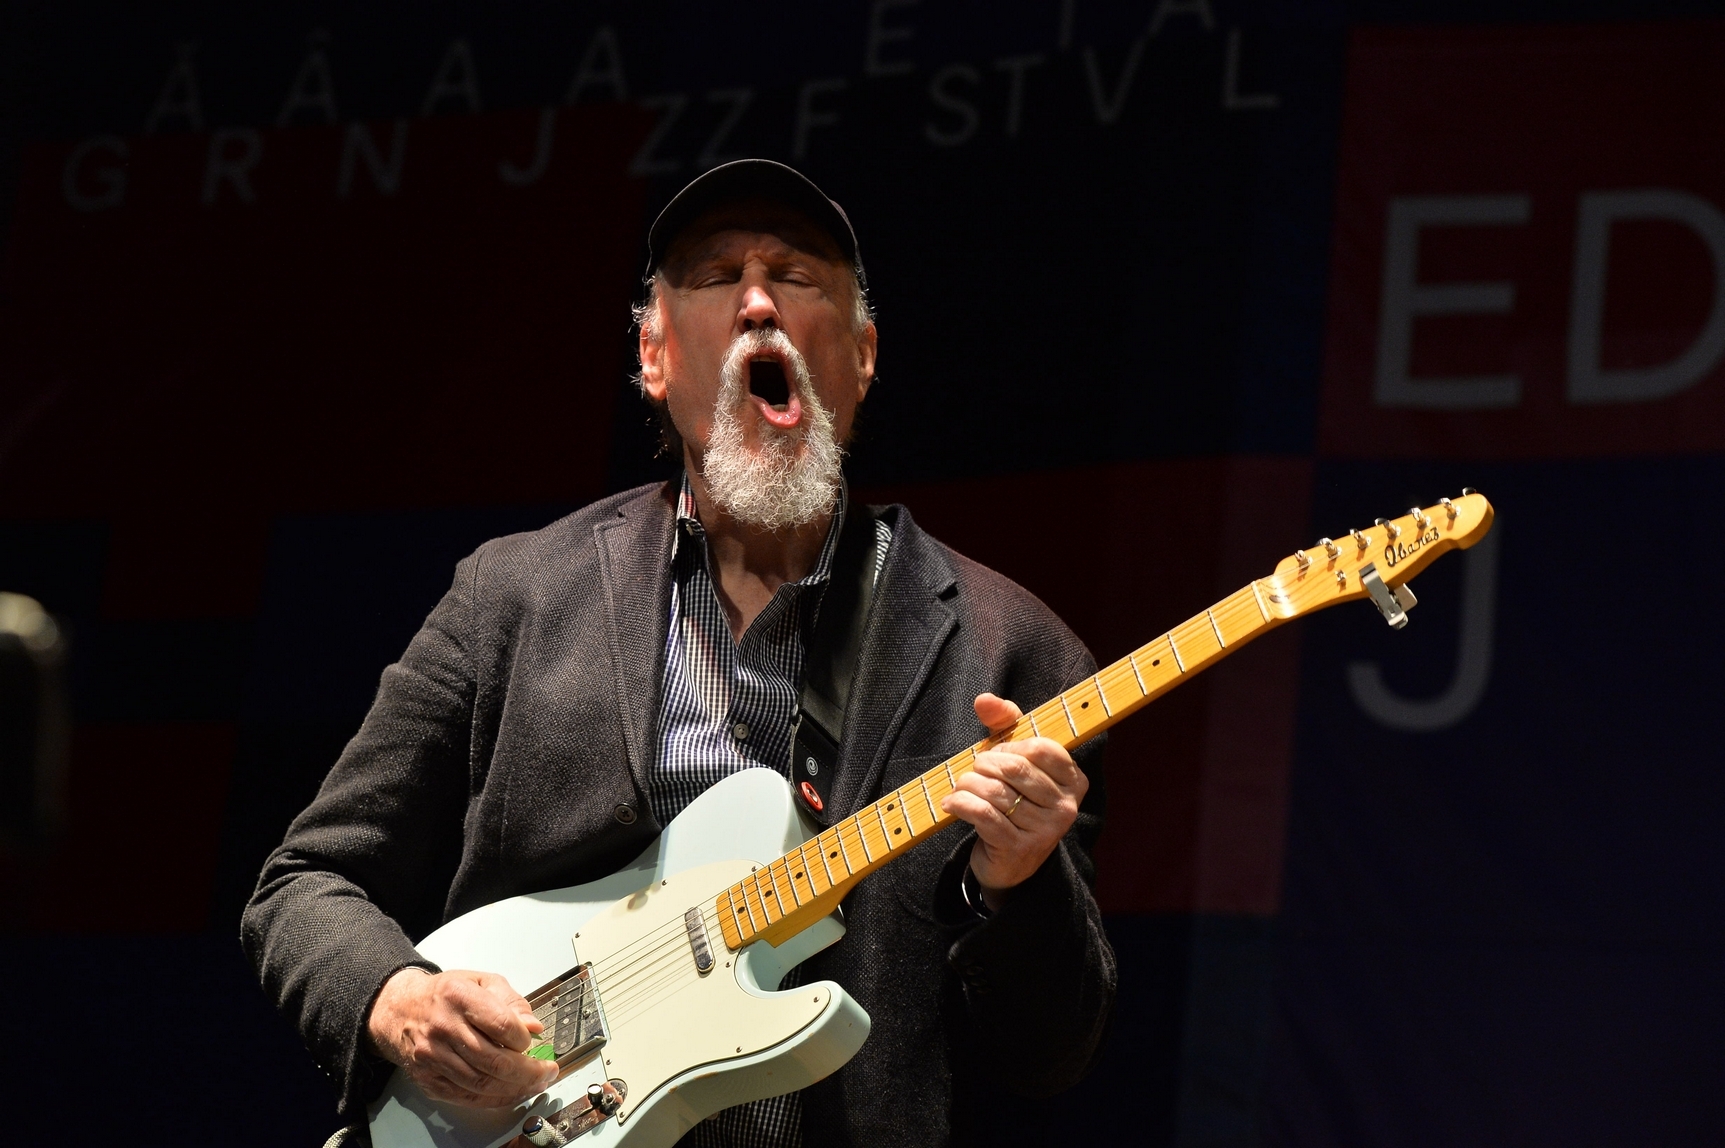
x: 1392, y: 603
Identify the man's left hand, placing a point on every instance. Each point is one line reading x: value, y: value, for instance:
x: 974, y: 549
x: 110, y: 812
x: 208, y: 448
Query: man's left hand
x: 1022, y: 797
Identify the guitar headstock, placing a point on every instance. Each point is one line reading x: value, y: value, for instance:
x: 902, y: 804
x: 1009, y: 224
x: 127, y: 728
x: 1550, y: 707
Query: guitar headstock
x: 1376, y: 561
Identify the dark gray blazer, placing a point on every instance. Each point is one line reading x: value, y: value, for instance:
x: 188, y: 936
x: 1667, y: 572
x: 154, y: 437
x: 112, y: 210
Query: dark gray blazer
x: 501, y: 749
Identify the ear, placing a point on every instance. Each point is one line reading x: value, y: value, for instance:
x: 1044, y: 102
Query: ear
x: 866, y: 346
x: 652, y: 359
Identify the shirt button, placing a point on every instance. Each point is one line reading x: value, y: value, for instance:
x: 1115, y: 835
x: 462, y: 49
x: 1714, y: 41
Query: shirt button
x: 624, y: 814
x: 740, y: 732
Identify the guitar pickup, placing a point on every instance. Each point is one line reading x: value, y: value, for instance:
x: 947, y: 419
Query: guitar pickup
x: 1392, y: 604
x: 698, y: 946
x: 573, y: 1017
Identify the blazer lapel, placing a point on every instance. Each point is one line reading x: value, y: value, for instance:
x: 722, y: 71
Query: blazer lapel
x: 909, y: 622
x: 635, y: 563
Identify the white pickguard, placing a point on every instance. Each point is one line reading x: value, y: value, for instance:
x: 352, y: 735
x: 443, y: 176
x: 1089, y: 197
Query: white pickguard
x: 686, y: 1045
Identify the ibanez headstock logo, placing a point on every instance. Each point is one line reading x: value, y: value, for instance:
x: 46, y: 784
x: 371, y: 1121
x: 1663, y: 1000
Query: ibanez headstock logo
x: 1402, y: 548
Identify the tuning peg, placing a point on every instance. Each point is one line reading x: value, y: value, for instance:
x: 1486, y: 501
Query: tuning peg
x: 1420, y: 519
x: 1302, y: 558
x: 1449, y: 508
x: 1330, y: 548
x: 1360, y: 540
x: 1395, y: 531
x: 1467, y: 490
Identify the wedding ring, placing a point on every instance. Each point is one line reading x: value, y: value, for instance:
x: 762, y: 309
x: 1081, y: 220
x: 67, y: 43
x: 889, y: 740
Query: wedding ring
x: 1015, y: 806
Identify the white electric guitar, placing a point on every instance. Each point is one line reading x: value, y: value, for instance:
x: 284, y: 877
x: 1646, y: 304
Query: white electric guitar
x: 658, y: 984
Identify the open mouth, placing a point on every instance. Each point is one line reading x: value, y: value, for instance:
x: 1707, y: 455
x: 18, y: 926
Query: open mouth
x: 767, y: 382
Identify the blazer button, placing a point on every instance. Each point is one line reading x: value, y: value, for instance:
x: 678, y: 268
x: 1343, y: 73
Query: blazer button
x: 624, y: 814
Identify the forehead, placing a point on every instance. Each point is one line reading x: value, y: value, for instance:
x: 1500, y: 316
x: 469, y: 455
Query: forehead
x: 725, y: 229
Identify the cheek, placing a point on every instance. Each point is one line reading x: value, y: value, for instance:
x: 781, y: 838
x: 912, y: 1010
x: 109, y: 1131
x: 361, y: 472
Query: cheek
x: 837, y: 376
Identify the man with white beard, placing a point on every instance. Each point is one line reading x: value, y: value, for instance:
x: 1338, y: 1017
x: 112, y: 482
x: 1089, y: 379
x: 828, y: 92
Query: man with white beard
x: 582, y: 684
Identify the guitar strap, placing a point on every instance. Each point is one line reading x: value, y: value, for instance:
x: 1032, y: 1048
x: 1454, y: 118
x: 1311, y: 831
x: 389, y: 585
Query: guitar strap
x: 830, y: 664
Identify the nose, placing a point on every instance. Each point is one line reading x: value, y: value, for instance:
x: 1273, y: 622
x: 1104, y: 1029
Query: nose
x: 758, y: 310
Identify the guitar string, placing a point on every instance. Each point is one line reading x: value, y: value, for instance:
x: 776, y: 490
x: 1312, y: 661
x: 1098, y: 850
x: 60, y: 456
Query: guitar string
x: 637, y: 998
x: 677, y: 971
x: 648, y: 953
x: 622, y: 1007
x: 644, y: 970
x: 681, y: 975
x: 645, y: 990
x: 1110, y: 677
x: 609, y: 999
x: 852, y: 832
x: 657, y: 944
x: 856, y: 830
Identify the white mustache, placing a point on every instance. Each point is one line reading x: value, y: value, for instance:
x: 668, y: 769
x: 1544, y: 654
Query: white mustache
x: 734, y: 375
x: 791, y: 477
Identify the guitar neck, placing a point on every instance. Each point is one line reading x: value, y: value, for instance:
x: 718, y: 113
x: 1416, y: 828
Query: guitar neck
x: 779, y: 900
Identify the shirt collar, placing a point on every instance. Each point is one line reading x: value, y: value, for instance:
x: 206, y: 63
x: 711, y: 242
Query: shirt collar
x: 689, y: 522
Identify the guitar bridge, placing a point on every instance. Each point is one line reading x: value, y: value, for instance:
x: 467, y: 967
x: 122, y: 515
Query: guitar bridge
x: 573, y: 1017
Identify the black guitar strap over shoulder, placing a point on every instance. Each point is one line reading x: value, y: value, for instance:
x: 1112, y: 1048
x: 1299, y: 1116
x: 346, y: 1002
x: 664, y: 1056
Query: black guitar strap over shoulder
x: 830, y: 663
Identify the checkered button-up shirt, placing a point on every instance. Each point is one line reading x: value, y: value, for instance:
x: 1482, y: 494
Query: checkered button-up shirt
x: 729, y: 706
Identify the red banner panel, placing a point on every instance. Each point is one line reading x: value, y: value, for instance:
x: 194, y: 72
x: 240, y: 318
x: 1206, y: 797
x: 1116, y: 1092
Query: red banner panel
x: 1197, y: 784
x: 1529, y: 244
x: 201, y: 332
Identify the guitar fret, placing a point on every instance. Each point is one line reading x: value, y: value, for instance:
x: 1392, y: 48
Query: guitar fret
x: 808, y: 871
x: 771, y: 907
x: 779, y: 880
x: 1220, y: 640
x: 732, y: 896
x: 845, y: 846
x: 1132, y: 660
x: 1107, y: 709
x: 1034, y: 728
x: 933, y: 814
x: 896, y: 807
x: 790, y: 876
x: 885, y: 833
x: 1258, y: 597
x: 821, y: 841
x: 757, y: 914
x: 757, y: 907
x: 1178, y: 660
x: 862, y: 838
x: 1068, y: 711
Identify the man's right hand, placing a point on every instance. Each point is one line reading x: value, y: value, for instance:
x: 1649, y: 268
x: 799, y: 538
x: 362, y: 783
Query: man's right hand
x: 460, y: 1036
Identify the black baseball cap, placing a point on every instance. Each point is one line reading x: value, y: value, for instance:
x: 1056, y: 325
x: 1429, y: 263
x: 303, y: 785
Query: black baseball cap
x: 749, y: 179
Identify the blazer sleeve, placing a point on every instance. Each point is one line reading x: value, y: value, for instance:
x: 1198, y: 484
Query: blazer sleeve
x: 370, y: 860
x: 1047, y: 934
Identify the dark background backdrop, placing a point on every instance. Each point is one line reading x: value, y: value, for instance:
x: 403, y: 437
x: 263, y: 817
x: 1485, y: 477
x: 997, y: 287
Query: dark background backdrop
x: 300, y: 303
